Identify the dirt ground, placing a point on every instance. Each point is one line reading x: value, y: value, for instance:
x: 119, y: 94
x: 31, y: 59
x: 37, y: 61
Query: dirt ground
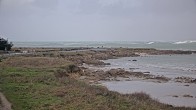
x: 4, y: 103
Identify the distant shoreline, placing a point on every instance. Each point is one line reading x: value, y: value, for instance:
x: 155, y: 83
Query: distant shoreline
x: 139, y: 51
x: 182, y: 45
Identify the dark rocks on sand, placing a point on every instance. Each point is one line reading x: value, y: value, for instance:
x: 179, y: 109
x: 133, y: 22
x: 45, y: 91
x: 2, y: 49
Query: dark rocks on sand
x: 186, y: 95
x: 133, y: 68
x: 132, y: 60
x: 185, y: 79
x: 186, y: 85
x: 146, y: 72
x: 175, y: 96
x: 193, y: 81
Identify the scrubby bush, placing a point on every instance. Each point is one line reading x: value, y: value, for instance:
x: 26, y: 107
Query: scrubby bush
x: 5, y: 45
x: 72, y: 68
x: 66, y: 71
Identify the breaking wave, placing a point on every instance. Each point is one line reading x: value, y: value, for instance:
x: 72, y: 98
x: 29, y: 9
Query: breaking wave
x: 184, y: 42
x: 150, y: 42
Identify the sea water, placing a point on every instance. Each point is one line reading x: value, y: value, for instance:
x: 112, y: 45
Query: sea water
x: 171, y: 66
x: 182, y: 45
x: 163, y: 92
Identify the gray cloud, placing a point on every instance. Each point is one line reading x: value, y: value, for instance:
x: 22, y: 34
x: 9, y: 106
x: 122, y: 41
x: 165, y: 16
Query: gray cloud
x: 134, y: 20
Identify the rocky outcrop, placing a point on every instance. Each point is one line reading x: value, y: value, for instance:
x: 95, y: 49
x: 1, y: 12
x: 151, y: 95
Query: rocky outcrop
x: 185, y: 79
x: 115, y: 74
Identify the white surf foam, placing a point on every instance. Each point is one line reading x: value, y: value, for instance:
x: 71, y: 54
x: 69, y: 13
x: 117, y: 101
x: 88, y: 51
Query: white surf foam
x: 184, y: 42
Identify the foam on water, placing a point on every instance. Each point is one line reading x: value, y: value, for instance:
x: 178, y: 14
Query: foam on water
x: 184, y: 42
x: 150, y: 43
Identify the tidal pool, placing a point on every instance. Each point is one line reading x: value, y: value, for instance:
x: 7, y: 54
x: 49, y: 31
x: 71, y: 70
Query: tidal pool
x: 176, y: 94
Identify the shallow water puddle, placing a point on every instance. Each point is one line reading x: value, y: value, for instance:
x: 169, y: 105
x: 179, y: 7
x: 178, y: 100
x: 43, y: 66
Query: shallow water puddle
x: 176, y: 94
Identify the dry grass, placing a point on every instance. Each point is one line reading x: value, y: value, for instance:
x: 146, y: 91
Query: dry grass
x: 34, y: 62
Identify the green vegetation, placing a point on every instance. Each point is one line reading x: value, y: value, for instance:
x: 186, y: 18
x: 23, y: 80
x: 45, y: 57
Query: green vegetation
x: 5, y: 45
x: 37, y: 83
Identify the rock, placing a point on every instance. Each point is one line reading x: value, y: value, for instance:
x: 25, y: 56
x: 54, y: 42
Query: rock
x: 146, y: 72
x: 183, y: 79
x: 186, y: 85
x: 193, y: 81
x: 107, y: 64
x: 133, y: 68
x: 186, y: 95
x: 162, y: 78
x: 175, y: 96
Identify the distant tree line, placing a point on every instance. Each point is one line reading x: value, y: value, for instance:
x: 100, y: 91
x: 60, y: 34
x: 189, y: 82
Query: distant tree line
x: 5, y: 45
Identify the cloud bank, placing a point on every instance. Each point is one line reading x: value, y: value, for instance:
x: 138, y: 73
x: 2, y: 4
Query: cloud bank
x: 98, y: 20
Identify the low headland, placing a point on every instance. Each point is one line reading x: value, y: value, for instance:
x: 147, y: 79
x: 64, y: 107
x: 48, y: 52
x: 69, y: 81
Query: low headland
x: 56, y: 79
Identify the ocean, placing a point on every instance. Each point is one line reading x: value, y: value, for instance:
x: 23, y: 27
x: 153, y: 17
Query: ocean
x: 181, y: 45
x: 168, y: 65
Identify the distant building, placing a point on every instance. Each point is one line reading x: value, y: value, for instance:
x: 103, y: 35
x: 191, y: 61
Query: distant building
x: 5, y: 45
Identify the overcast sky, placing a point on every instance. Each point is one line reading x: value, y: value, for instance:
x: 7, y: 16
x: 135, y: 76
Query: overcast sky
x: 98, y: 20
